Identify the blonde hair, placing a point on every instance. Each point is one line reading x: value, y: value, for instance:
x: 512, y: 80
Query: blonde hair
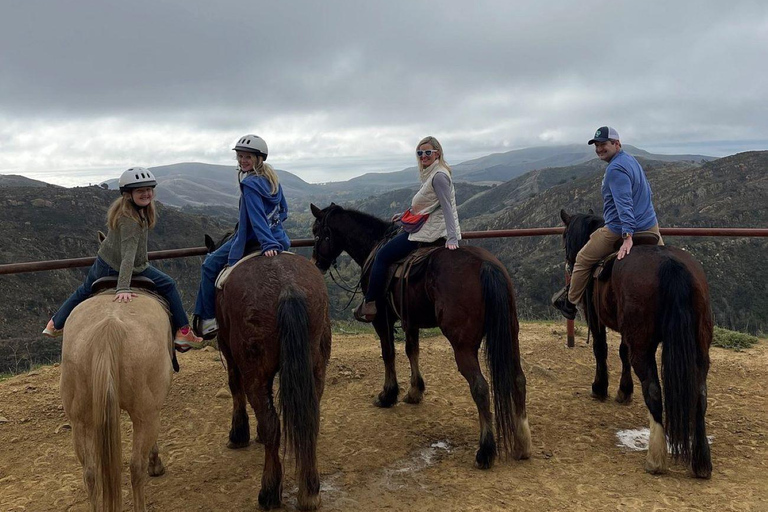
x: 262, y: 168
x: 123, y: 207
x: 435, y: 145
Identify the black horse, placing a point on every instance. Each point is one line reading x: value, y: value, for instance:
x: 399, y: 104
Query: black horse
x: 467, y: 293
x: 656, y: 294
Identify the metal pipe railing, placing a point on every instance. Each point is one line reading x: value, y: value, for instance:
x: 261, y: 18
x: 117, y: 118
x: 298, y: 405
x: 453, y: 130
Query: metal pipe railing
x: 37, y: 266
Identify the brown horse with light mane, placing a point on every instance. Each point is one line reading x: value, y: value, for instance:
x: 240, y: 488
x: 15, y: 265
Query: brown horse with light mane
x: 273, y: 317
x: 468, y: 294
x: 116, y: 356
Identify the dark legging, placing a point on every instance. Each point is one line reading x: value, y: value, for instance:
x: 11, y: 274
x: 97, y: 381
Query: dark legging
x: 395, y: 249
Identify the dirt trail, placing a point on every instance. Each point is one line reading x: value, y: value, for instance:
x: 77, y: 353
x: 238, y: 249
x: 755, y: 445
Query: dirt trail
x: 411, y: 457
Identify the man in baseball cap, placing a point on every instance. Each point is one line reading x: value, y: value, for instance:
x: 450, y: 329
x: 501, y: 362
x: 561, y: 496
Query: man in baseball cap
x: 627, y: 210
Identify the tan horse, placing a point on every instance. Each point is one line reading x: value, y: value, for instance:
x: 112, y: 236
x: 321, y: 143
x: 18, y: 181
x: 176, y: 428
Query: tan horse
x: 116, y: 356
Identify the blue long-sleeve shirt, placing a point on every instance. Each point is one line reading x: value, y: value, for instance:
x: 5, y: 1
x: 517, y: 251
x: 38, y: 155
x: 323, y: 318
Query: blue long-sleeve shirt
x: 627, y: 206
x: 261, y: 217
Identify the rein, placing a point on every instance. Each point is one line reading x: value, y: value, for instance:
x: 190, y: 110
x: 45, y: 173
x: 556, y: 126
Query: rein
x: 346, y: 288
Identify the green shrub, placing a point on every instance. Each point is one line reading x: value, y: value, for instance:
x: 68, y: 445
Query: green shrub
x: 731, y: 339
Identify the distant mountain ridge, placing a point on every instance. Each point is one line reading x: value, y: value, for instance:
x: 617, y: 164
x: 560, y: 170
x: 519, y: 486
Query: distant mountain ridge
x: 197, y: 184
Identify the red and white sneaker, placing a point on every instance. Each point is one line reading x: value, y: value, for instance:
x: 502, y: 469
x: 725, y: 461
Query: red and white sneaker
x: 185, y: 339
x: 51, y: 331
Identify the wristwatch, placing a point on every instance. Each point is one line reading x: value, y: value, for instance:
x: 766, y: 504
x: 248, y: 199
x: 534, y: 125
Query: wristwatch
x: 626, y: 235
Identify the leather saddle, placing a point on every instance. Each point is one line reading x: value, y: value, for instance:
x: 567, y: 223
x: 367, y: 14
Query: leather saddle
x: 604, y: 268
x: 110, y: 282
x: 411, y: 268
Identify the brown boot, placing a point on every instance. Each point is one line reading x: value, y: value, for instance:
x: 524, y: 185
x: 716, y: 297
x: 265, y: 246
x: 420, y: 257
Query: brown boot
x: 366, y: 311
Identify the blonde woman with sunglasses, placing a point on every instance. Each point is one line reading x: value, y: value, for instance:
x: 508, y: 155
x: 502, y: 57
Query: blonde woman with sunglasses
x: 434, y: 205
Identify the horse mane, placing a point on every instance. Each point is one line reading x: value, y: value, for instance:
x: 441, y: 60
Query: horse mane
x: 577, y: 233
x: 366, y: 221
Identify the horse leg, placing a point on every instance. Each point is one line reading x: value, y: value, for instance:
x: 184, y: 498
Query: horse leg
x: 145, y: 433
x: 155, y: 467
x: 626, y: 386
x: 600, y: 349
x: 466, y: 360
x: 416, y: 391
x: 82, y: 451
x: 648, y: 373
x: 385, y: 329
x: 239, y: 432
x: 268, y: 427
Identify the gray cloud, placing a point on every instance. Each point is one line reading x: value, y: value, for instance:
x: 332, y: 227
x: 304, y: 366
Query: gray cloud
x: 105, y: 84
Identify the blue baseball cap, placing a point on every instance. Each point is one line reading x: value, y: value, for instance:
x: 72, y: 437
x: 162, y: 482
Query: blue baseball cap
x: 603, y: 134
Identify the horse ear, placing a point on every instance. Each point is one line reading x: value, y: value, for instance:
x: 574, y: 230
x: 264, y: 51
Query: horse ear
x: 317, y: 212
x: 209, y: 244
x: 333, y: 204
x: 566, y: 218
x: 591, y: 211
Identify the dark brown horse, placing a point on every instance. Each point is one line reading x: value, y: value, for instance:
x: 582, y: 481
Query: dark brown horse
x: 273, y: 316
x: 467, y: 293
x: 656, y: 294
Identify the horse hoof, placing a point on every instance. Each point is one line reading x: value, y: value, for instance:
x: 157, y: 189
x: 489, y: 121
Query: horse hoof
x: 482, y: 462
x: 485, y: 454
x: 309, y: 503
x: 269, y: 500
x: 381, y: 404
x: 412, y: 399
x: 385, y: 400
x: 237, y: 446
x: 654, y: 469
x: 599, y: 396
x: 156, y: 469
x: 623, y: 399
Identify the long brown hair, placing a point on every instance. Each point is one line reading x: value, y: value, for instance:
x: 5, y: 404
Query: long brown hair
x: 123, y: 207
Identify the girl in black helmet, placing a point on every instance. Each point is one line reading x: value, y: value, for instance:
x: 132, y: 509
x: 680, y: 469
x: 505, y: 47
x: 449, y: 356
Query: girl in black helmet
x: 124, y: 253
x: 263, y: 210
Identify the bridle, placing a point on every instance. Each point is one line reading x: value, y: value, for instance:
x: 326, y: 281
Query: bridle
x: 326, y: 234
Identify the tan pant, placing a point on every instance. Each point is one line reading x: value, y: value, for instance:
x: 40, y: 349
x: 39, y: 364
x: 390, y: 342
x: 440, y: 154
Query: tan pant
x: 600, y: 245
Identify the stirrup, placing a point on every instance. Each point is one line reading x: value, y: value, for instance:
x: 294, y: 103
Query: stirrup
x: 365, y: 312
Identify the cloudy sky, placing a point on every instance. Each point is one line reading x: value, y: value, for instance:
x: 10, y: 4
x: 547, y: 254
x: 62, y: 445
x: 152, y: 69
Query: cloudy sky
x: 339, y: 88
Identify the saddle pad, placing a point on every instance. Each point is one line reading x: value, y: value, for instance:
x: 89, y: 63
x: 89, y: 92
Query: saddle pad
x: 224, y: 274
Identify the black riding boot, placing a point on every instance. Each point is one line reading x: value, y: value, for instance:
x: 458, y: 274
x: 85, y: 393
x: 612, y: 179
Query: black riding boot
x: 561, y: 302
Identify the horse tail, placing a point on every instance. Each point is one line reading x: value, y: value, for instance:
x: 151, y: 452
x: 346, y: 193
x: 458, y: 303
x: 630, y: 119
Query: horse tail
x: 677, y: 325
x: 298, y: 399
x: 106, y: 341
x: 502, y: 355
